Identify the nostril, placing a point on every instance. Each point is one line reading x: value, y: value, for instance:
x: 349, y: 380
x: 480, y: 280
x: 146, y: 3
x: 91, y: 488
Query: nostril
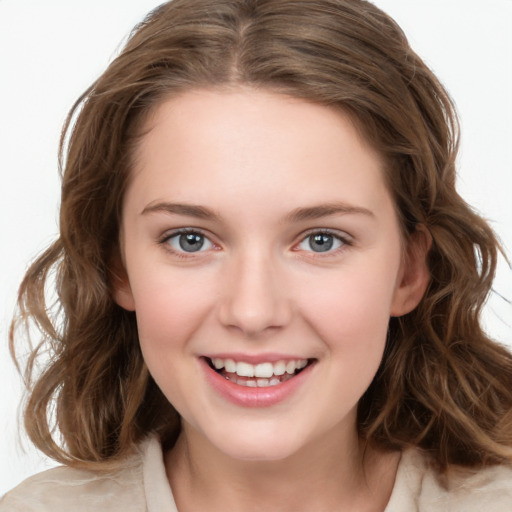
x: 254, y: 305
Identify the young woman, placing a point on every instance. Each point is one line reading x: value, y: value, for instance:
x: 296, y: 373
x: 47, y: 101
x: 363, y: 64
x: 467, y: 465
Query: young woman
x: 269, y: 289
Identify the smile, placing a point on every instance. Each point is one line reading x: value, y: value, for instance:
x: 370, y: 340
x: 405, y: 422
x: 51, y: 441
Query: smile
x: 260, y: 375
x: 264, y: 382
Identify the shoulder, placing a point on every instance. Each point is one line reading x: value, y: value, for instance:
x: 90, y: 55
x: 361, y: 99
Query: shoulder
x: 65, y: 488
x: 420, y: 487
x: 486, y: 489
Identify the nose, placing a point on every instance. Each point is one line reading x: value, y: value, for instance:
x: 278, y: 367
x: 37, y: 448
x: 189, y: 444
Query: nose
x: 254, y: 300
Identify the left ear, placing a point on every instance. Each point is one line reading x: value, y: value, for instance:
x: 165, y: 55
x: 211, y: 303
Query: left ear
x: 120, y: 284
x: 414, y: 274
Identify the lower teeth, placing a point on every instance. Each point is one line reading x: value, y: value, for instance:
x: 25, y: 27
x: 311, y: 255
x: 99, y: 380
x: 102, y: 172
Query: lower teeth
x: 257, y: 383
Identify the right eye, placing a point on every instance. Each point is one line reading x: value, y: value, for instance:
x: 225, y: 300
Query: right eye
x: 322, y: 242
x: 188, y: 241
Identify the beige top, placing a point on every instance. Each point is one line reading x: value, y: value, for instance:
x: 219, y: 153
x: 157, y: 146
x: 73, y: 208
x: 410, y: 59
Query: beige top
x: 142, y: 486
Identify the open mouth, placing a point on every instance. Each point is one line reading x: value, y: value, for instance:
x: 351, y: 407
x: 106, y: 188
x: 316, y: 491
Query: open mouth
x: 258, y: 375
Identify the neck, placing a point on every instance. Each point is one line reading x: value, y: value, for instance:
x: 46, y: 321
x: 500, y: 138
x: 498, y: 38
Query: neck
x: 326, y: 475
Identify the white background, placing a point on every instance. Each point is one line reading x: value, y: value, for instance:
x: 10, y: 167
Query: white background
x: 51, y: 51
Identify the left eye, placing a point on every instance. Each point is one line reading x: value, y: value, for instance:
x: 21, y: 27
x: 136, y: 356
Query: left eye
x: 190, y: 241
x: 321, y: 242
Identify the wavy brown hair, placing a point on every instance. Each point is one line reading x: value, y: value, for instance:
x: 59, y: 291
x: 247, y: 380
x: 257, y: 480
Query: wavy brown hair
x: 443, y: 385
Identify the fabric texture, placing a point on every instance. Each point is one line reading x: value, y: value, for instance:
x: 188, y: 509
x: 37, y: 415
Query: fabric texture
x: 141, y: 485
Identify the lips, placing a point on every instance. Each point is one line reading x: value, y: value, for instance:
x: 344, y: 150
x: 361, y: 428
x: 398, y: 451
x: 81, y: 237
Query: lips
x: 261, y: 384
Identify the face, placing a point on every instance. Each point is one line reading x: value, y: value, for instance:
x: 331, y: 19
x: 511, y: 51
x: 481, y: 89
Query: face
x: 263, y: 260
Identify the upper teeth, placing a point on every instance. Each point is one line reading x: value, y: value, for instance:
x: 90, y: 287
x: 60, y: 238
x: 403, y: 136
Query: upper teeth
x: 263, y: 370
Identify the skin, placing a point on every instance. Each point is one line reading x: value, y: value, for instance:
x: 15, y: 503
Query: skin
x: 258, y: 286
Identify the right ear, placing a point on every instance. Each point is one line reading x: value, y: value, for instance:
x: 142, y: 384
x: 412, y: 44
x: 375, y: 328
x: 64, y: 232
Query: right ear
x: 121, y: 289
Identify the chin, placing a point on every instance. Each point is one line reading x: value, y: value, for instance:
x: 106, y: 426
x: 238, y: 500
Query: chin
x: 248, y: 451
x: 258, y: 443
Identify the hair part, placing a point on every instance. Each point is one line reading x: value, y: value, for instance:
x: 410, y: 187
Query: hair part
x: 443, y: 385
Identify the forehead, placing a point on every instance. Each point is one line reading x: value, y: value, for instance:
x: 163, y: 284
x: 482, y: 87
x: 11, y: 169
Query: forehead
x: 205, y: 145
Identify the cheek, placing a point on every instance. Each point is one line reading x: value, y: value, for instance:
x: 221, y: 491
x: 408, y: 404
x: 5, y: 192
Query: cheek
x: 169, y: 308
x: 351, y: 310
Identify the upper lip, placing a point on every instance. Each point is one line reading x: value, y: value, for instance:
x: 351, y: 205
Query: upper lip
x: 255, y: 358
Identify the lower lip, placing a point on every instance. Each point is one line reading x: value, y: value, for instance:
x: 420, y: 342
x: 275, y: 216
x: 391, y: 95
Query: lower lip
x: 254, y: 397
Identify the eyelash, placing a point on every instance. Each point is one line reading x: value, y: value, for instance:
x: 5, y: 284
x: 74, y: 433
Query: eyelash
x: 164, y: 241
x: 344, y: 241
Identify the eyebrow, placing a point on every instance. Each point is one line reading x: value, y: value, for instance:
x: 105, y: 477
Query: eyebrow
x: 298, y: 215
x: 190, y: 210
x: 325, y: 210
